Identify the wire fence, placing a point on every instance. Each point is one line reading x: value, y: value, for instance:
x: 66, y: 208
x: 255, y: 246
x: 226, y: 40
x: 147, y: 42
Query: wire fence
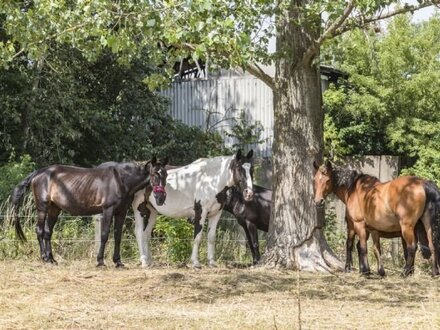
x: 78, y: 238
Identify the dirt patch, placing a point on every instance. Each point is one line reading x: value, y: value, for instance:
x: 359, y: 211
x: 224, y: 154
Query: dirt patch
x: 78, y: 295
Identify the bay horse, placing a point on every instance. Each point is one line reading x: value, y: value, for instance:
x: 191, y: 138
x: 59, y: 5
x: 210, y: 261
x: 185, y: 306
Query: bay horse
x: 251, y: 215
x: 393, y: 206
x: 194, y: 191
x: 85, y: 191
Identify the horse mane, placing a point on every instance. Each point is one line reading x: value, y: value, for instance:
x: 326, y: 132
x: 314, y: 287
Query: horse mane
x: 348, y: 177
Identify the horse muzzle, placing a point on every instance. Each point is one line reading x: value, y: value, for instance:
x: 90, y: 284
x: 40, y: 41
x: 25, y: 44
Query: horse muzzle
x: 159, y: 194
x: 319, y: 203
x: 248, y: 195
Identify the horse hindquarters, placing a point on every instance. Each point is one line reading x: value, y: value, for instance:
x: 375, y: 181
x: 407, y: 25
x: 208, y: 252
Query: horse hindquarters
x: 431, y: 220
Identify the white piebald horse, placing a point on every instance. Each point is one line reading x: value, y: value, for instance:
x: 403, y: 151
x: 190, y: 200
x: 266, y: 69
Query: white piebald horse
x: 193, y: 191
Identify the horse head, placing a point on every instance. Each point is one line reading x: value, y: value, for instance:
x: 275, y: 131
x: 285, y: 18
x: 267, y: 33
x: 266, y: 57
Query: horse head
x: 158, y: 178
x: 322, y: 182
x: 241, y: 168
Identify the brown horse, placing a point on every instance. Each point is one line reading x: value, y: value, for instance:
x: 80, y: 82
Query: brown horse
x: 393, y: 206
x: 87, y: 191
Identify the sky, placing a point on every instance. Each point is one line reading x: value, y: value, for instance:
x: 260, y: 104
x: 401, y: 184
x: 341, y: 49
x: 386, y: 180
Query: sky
x: 423, y: 14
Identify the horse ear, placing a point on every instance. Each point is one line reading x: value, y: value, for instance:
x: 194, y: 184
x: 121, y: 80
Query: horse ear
x: 315, y: 165
x: 250, y: 154
x: 153, y: 160
x: 328, y: 165
x: 238, y: 155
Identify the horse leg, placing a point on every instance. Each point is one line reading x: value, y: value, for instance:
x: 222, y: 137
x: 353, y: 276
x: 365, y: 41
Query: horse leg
x: 349, y: 245
x: 360, y: 230
x: 118, y: 226
x: 107, y: 216
x: 143, y: 234
x: 408, y: 235
x: 212, y: 226
x: 426, y: 219
x: 404, y: 247
x: 252, y: 234
x: 39, y: 230
x: 378, y: 253
x: 52, y: 217
x: 199, y: 221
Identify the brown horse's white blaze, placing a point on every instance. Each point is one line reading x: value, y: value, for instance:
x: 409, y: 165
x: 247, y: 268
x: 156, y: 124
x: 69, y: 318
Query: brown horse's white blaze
x: 390, y: 207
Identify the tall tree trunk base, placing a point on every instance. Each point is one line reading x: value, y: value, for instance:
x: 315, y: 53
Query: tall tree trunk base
x: 313, y: 255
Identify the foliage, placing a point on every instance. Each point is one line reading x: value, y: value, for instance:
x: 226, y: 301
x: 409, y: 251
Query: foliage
x: 390, y: 103
x: 333, y: 235
x: 165, y: 30
x: 13, y: 172
x: 246, y: 132
x: 177, y: 237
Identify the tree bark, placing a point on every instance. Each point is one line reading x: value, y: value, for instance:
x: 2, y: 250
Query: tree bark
x: 295, y: 238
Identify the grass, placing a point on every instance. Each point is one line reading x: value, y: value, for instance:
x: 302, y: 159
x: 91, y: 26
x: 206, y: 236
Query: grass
x: 78, y: 295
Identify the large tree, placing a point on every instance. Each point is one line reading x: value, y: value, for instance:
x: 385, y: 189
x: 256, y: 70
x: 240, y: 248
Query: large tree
x: 225, y: 33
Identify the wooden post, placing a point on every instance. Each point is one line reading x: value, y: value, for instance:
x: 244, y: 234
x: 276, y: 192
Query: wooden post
x: 98, y: 219
x: 395, y: 250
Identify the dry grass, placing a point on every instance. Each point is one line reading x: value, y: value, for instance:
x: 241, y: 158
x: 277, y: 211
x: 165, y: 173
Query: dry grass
x: 78, y: 295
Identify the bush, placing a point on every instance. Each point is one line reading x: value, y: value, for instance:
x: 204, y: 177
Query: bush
x: 176, y: 238
x: 12, y: 173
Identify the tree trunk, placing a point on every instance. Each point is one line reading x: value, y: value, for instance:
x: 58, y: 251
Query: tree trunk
x: 295, y: 238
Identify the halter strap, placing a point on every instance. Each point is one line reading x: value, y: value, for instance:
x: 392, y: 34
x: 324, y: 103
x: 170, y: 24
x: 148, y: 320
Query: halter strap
x: 159, y: 189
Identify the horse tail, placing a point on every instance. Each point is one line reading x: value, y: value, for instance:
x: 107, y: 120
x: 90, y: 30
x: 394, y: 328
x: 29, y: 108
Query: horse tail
x: 433, y: 207
x: 17, y: 201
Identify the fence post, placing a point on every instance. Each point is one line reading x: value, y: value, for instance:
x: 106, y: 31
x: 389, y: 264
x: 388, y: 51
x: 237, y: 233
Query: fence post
x: 395, y: 250
x: 98, y: 219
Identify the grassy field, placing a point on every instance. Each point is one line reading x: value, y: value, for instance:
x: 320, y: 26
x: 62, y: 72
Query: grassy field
x: 78, y: 295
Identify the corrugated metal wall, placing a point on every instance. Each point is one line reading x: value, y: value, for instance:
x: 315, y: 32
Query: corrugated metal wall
x: 211, y: 104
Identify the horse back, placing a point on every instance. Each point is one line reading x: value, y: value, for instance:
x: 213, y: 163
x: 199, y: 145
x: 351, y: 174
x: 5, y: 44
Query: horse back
x: 386, y: 206
x: 79, y: 191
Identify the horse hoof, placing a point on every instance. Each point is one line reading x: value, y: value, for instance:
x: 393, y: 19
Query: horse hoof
x: 100, y: 264
x: 120, y: 265
x: 381, y: 272
x: 212, y: 264
x: 347, y: 269
x: 407, y: 272
x: 196, y: 265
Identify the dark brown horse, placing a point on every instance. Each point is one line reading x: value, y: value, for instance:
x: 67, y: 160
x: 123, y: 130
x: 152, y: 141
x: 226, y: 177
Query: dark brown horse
x: 86, y: 191
x: 393, y: 206
x: 251, y: 215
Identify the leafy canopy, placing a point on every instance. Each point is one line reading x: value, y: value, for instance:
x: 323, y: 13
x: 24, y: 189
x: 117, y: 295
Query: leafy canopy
x: 391, y: 101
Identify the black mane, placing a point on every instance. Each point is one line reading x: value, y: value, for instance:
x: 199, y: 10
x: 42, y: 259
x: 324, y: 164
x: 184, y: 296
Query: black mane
x: 348, y: 178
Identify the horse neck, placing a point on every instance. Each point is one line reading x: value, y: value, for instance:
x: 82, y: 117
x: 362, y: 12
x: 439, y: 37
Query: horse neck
x: 342, y: 193
x: 221, y: 171
x: 343, y: 181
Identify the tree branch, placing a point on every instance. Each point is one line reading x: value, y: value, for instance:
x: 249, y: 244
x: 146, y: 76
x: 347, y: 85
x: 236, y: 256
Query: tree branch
x: 343, y: 24
x: 359, y: 23
x: 257, y: 71
x: 313, y: 50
